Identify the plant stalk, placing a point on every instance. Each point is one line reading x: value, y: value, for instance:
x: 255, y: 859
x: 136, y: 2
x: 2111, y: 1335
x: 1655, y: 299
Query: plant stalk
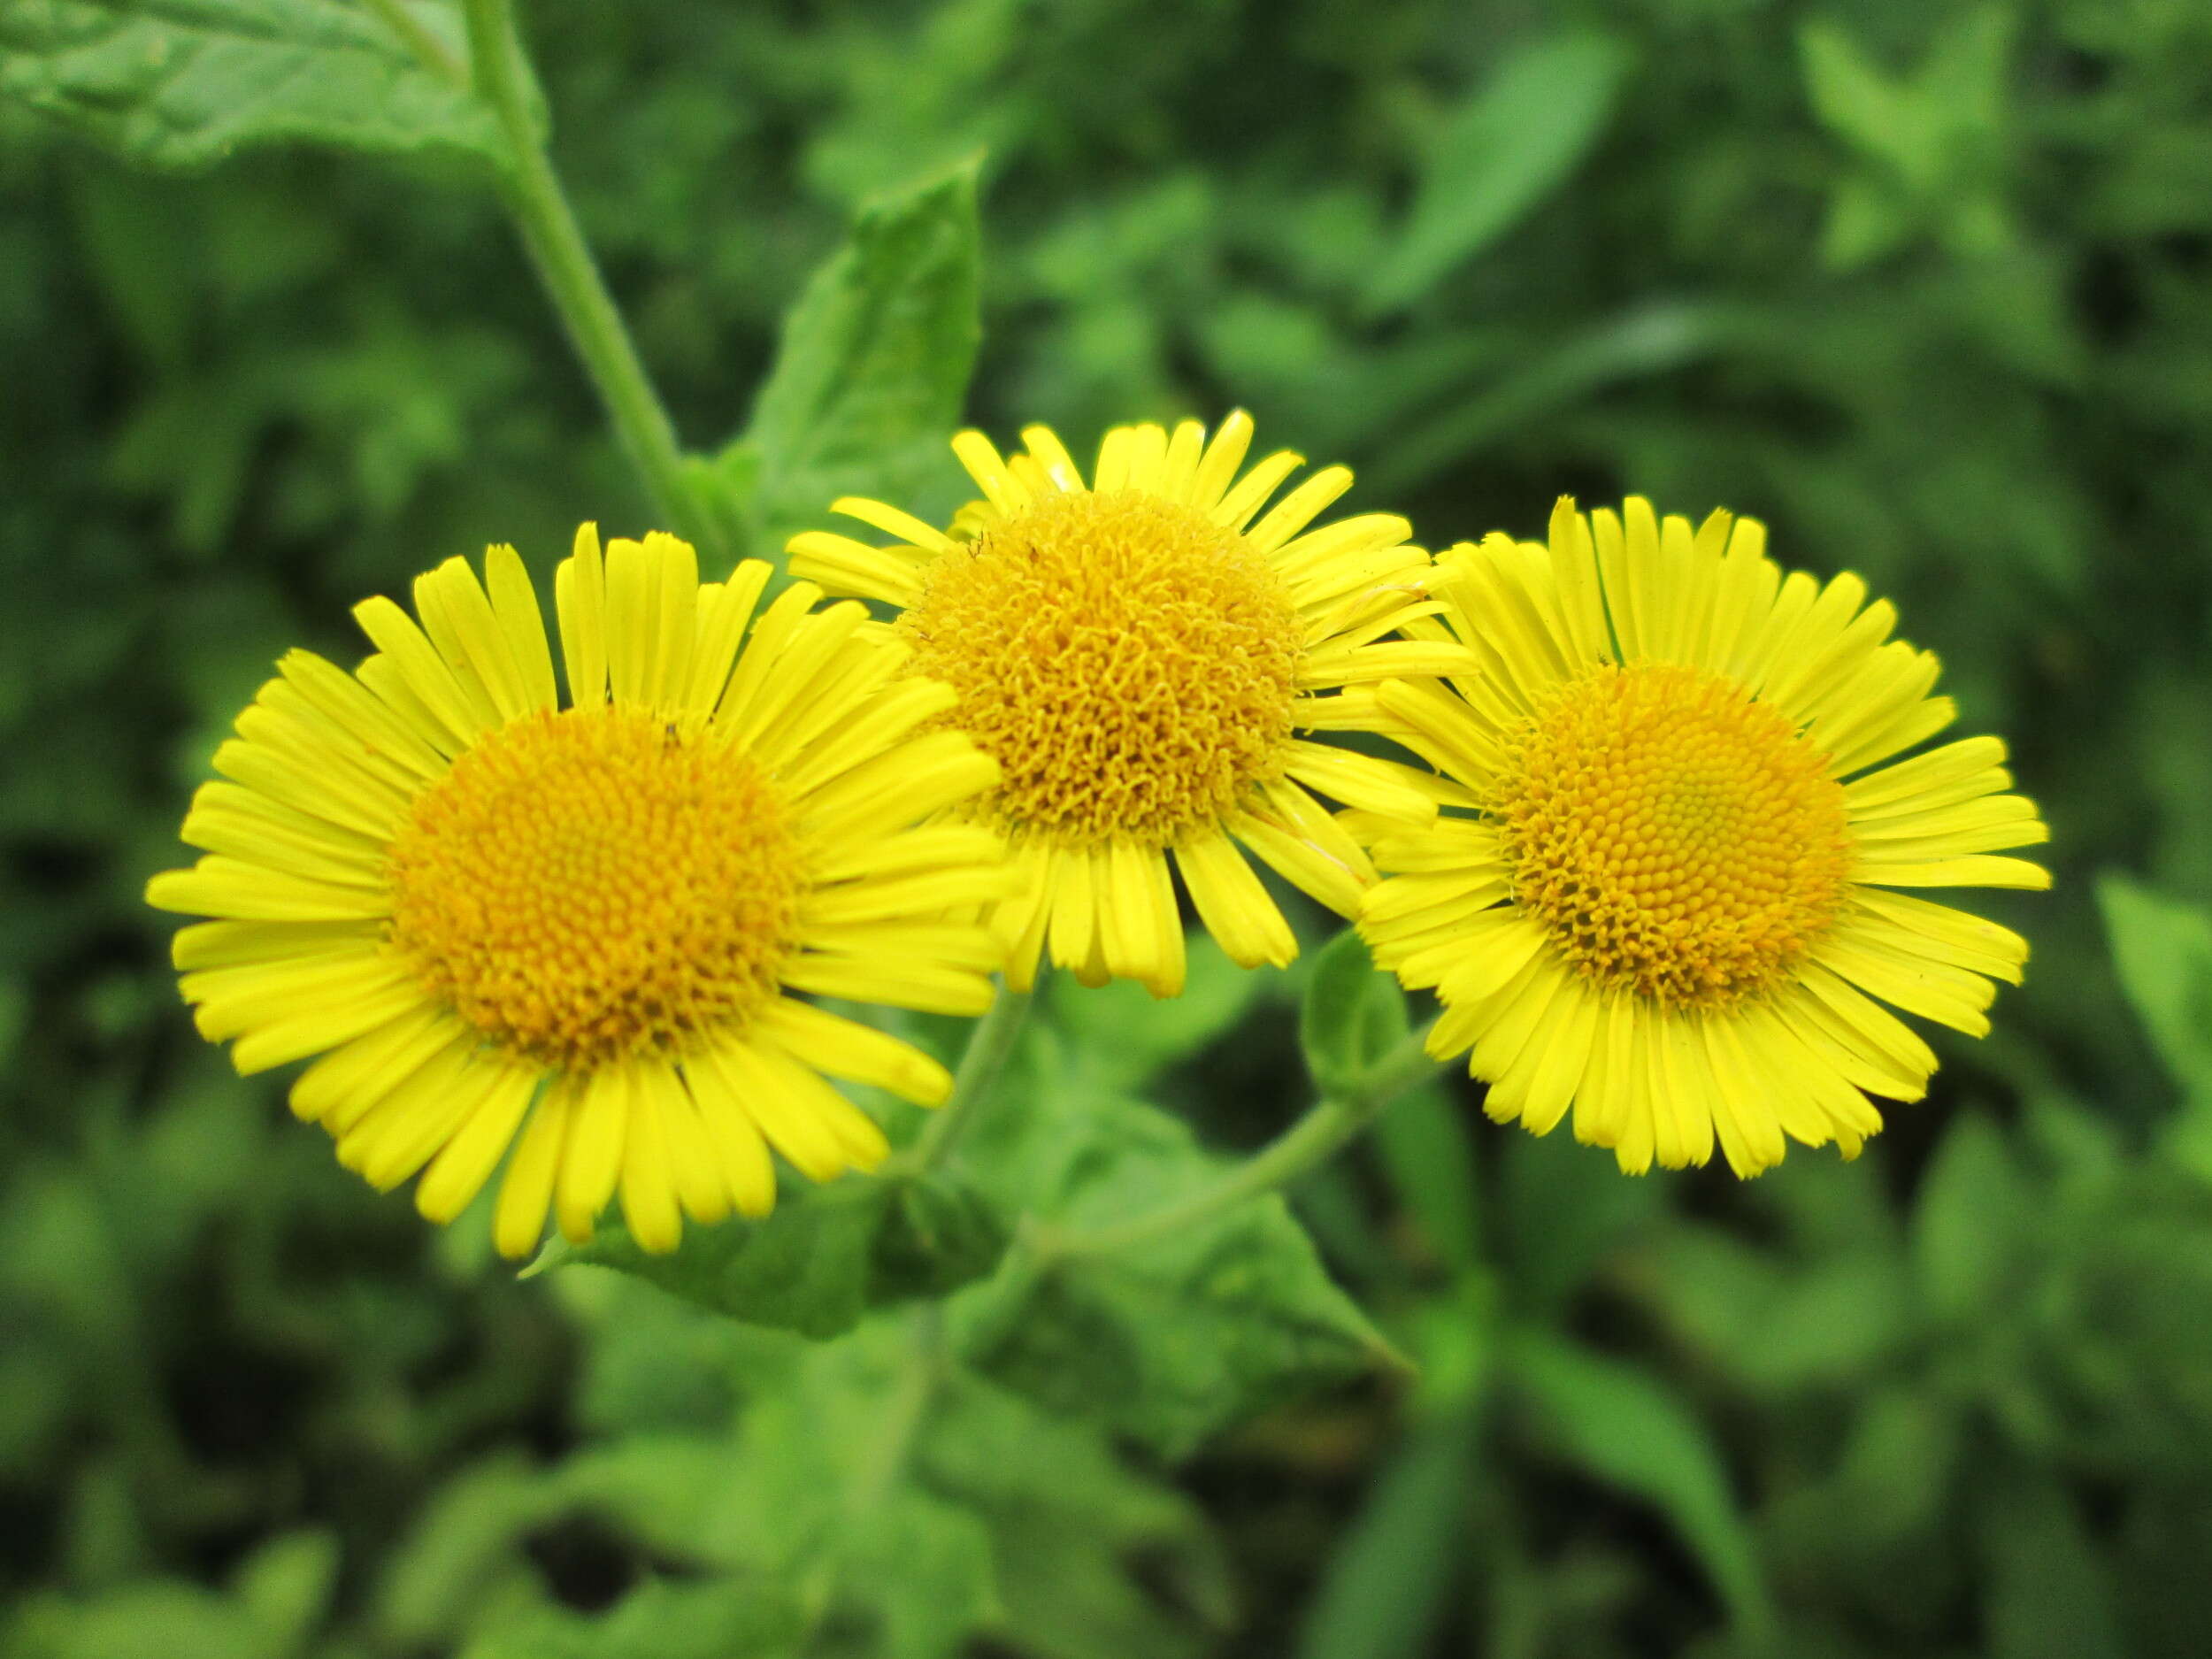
x: 1313, y: 1140
x: 564, y: 260
x: 990, y: 1045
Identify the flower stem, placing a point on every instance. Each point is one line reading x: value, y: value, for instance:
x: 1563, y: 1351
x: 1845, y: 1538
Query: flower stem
x: 990, y: 1045
x: 565, y: 265
x: 1332, y: 1121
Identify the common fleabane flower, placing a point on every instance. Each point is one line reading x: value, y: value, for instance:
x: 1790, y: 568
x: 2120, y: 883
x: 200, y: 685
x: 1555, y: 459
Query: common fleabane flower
x: 1141, y: 653
x: 1673, y: 909
x: 577, y: 929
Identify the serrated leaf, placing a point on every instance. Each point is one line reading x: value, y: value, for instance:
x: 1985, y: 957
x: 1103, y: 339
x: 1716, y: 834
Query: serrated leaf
x: 184, y: 83
x: 1628, y: 1428
x: 875, y: 362
x: 1170, y: 1339
x: 1069, y: 1518
x: 1499, y: 155
x: 919, y: 1506
x: 1352, y: 1015
x: 824, y: 1256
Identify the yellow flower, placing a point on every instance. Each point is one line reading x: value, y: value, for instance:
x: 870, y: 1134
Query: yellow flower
x: 1139, y: 653
x: 1671, y: 911
x: 488, y: 913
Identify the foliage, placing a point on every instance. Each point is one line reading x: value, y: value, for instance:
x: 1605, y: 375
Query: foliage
x: 181, y: 83
x: 1922, y: 286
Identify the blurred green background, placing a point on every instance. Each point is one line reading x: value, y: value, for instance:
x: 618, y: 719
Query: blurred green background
x: 1924, y: 286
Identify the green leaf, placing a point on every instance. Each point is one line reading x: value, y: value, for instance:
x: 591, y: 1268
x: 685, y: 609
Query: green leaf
x: 1855, y: 100
x: 1929, y: 130
x: 1649, y: 339
x: 656, y: 1361
x: 721, y: 1619
x: 136, y: 234
x: 1893, y: 1485
x: 1974, y: 1219
x: 1499, y: 155
x: 723, y: 490
x: 1930, y: 144
x: 818, y: 1486
x: 276, y: 1600
x: 1121, y: 1035
x: 929, y: 1562
x: 825, y: 1256
x: 1565, y: 1210
x: 916, y: 1507
x: 1878, y: 1515
x: 1169, y: 1340
x: 1430, y: 1159
x: 464, y: 1542
x: 874, y: 363
x: 1628, y: 1428
x: 36, y: 1400
x: 184, y: 83
x: 1389, y: 1579
x: 2163, y: 948
x: 285, y: 1586
x: 2046, y: 1593
x: 147, y: 1615
x: 1775, y: 1327
x: 1070, y: 1521
x: 1867, y: 219
x: 1352, y: 1016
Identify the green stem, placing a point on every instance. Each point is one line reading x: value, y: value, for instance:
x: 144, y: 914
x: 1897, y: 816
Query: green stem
x: 906, y: 1412
x: 990, y: 1045
x: 557, y: 247
x: 1314, y: 1139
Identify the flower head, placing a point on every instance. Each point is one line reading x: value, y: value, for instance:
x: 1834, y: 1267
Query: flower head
x: 493, y: 916
x: 1140, y: 654
x: 1670, y: 909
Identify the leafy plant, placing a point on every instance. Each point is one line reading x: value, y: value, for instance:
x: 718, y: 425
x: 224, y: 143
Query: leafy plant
x: 1123, y: 1362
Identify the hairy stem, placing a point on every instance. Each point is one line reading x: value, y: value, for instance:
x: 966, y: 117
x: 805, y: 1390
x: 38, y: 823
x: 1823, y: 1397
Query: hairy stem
x: 1313, y: 1140
x: 565, y: 265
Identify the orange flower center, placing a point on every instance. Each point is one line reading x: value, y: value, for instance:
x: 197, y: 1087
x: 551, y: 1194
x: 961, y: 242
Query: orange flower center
x: 589, y: 885
x: 1679, y: 838
x: 1129, y: 663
